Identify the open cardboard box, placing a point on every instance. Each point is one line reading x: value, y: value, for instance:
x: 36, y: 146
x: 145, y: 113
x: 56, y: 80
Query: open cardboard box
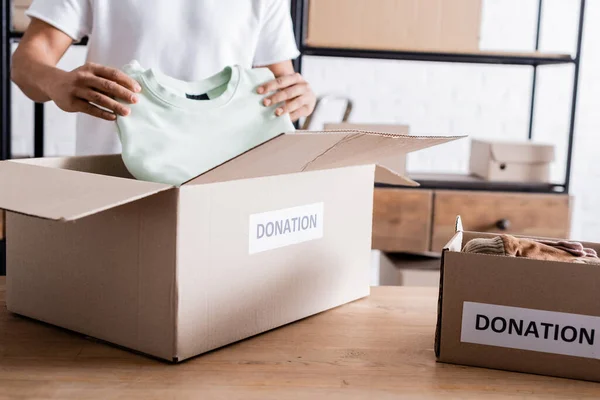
x: 277, y: 234
x: 518, y: 314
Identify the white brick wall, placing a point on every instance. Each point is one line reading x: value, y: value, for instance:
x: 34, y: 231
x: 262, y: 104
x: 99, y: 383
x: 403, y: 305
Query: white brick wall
x: 437, y: 98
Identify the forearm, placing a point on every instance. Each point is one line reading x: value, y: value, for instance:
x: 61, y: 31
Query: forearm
x: 32, y: 71
x: 282, y: 68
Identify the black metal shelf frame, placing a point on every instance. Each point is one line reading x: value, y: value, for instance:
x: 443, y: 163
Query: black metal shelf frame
x: 470, y: 58
x: 300, y: 20
x: 299, y: 12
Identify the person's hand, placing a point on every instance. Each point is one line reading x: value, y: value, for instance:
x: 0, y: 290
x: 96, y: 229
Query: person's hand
x: 75, y: 91
x: 292, y: 89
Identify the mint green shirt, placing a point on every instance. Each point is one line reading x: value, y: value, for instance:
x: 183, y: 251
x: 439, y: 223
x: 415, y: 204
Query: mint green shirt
x: 179, y: 130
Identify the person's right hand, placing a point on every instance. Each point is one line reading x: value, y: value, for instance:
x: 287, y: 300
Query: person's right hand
x: 90, y: 86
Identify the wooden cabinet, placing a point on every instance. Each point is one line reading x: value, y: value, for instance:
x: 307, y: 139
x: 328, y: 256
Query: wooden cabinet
x: 1, y: 224
x: 514, y: 213
x: 418, y: 221
x: 402, y: 220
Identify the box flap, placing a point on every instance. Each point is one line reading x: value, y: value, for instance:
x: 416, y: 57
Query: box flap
x: 108, y: 164
x: 60, y: 194
x: 309, y: 151
x: 386, y: 175
x: 458, y: 226
x: 523, y: 153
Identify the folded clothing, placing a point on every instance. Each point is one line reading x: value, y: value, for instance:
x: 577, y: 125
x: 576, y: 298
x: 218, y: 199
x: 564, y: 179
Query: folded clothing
x: 507, y: 245
x: 179, y: 130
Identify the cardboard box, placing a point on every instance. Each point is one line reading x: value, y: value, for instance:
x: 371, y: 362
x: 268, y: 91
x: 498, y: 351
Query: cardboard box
x: 275, y: 235
x: 398, y: 161
x: 511, y: 161
x: 421, y: 25
x: 20, y: 21
x: 518, y: 314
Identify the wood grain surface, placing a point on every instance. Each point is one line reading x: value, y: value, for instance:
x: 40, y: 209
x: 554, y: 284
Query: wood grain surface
x: 402, y: 220
x: 546, y: 215
x: 380, y: 347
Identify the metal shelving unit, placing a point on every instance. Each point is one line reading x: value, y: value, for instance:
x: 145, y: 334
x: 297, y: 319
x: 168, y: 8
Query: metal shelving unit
x: 299, y: 11
x: 533, y: 59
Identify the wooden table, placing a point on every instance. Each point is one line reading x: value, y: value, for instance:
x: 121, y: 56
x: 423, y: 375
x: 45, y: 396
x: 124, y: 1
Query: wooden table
x: 377, y: 348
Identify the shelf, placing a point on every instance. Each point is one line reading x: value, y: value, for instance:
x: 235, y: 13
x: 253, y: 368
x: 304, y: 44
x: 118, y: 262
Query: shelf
x: 470, y: 182
x: 480, y: 57
x: 18, y: 35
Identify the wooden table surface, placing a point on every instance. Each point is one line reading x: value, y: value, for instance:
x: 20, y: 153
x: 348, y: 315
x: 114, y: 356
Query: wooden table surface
x: 376, y: 348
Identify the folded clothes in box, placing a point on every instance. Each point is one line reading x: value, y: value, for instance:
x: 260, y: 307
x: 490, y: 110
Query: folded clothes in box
x: 520, y: 304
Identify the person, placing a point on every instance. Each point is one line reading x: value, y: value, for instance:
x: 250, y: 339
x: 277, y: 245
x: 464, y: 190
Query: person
x: 186, y: 39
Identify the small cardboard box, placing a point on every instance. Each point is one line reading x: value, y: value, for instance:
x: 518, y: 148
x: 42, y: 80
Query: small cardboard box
x: 20, y: 21
x: 275, y: 235
x: 518, y: 314
x: 398, y: 161
x: 511, y: 161
x: 421, y: 25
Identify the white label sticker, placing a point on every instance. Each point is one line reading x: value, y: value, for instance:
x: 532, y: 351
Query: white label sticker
x: 280, y: 228
x: 528, y: 329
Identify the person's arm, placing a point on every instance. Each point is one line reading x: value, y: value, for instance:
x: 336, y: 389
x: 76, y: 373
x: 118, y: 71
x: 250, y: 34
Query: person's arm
x: 276, y: 47
x: 35, y: 73
x: 291, y: 88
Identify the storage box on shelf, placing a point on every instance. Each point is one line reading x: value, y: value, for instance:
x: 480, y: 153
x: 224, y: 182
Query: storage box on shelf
x: 20, y: 21
x: 511, y: 161
x: 426, y: 25
x: 518, y: 314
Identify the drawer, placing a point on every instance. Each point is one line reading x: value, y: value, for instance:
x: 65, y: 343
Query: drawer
x: 1, y: 224
x: 546, y: 215
x: 402, y: 220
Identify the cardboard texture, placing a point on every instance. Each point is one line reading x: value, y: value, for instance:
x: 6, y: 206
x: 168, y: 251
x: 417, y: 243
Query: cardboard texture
x: 20, y: 21
x: 511, y: 161
x: 275, y: 235
x: 421, y: 25
x: 395, y: 163
x: 554, y: 313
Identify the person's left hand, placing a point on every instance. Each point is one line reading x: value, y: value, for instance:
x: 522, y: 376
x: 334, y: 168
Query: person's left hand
x: 292, y: 89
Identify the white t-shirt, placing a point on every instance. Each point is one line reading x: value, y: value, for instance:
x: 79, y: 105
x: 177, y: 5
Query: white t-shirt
x: 185, y: 39
x: 209, y: 122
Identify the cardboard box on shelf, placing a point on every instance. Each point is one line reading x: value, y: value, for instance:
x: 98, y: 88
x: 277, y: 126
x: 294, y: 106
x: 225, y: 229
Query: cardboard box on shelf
x: 20, y: 21
x: 397, y: 162
x: 421, y: 25
x: 272, y: 236
x: 518, y: 314
x: 511, y: 161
